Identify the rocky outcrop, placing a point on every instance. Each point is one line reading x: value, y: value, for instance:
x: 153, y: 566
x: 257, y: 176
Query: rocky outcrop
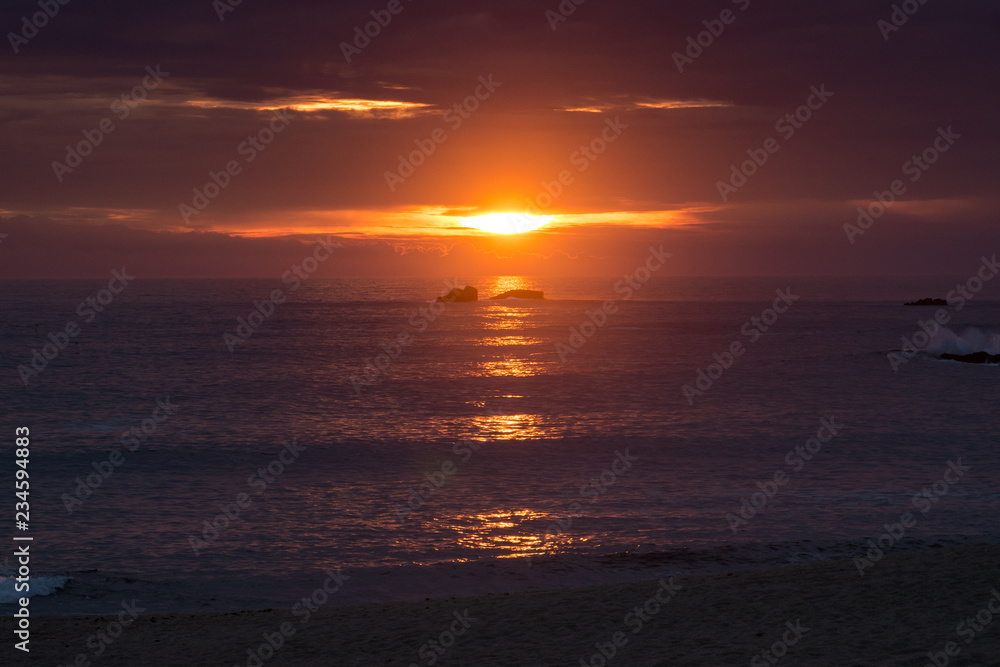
x: 465, y: 295
x: 520, y: 294
x: 927, y: 302
x: 974, y: 358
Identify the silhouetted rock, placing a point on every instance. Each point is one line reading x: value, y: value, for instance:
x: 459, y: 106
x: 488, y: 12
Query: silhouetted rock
x: 520, y: 294
x: 464, y: 295
x: 927, y: 302
x: 974, y: 358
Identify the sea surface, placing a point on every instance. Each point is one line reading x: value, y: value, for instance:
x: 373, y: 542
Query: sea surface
x: 549, y: 458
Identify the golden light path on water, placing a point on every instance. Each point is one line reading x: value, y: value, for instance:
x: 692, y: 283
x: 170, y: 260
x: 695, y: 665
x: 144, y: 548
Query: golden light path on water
x: 506, y: 336
x: 500, y: 533
x: 506, y: 331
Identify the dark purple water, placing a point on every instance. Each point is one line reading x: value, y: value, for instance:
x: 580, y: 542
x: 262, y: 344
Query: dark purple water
x: 480, y: 400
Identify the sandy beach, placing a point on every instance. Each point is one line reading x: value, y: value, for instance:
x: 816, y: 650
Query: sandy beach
x: 902, y: 609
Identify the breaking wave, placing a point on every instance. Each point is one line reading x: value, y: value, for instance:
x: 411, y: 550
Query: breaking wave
x: 970, y: 341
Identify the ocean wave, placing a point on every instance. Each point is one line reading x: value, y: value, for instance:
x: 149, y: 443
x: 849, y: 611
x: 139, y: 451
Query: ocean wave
x: 36, y: 586
x: 970, y: 341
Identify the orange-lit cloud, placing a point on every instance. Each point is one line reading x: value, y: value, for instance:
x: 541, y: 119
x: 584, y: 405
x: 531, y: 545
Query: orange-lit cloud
x: 311, y: 103
x: 634, y: 105
x: 442, y: 223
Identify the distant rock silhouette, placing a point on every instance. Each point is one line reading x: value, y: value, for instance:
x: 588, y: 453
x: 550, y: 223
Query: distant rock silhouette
x: 974, y: 358
x: 927, y: 302
x: 520, y: 294
x: 464, y: 295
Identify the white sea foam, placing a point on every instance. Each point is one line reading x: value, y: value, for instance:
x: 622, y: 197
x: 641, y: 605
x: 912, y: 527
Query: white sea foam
x: 946, y: 341
x: 36, y: 585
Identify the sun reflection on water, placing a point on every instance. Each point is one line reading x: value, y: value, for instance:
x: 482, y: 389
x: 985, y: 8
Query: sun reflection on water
x: 501, y: 341
x: 508, y: 427
x: 509, y: 368
x: 501, y: 531
x: 505, y: 318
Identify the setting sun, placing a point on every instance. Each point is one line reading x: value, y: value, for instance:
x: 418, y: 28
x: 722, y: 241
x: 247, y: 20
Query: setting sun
x: 508, y: 223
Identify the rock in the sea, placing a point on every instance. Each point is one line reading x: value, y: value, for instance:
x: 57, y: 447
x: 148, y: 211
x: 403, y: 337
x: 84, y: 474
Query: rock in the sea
x: 927, y: 302
x: 974, y: 358
x: 520, y: 294
x: 464, y: 295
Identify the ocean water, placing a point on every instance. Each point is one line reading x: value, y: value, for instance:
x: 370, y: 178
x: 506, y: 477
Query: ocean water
x: 544, y: 464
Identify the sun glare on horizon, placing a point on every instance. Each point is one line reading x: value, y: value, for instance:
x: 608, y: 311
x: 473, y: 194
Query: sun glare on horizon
x: 508, y: 223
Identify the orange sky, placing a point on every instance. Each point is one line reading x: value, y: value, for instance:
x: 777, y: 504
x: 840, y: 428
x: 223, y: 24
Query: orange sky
x: 227, y: 138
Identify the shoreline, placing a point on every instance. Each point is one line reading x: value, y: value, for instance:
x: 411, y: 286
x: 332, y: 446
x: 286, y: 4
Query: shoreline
x: 904, y: 607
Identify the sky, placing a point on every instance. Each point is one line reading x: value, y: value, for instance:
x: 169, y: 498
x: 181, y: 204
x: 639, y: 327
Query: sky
x: 626, y: 125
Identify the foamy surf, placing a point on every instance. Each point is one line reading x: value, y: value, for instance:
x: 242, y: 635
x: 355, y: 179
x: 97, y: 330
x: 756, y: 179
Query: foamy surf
x: 36, y: 586
x: 970, y: 341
